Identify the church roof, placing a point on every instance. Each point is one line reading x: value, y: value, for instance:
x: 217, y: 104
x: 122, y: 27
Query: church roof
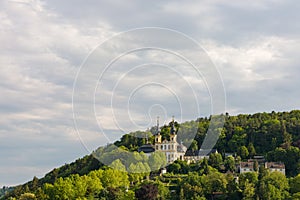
x: 181, y: 148
x: 146, y: 148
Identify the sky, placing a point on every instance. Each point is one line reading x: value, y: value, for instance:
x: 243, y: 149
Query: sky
x: 56, y: 96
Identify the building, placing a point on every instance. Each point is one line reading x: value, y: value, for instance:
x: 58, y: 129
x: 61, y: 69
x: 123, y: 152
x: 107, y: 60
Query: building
x: 193, y: 156
x: 246, y: 167
x: 259, y: 159
x: 275, y: 167
x: 147, y: 149
x: 172, y: 149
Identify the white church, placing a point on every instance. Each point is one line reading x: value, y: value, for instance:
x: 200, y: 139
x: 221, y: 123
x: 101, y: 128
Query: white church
x: 172, y: 149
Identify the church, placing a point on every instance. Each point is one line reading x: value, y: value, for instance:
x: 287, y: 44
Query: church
x: 172, y: 149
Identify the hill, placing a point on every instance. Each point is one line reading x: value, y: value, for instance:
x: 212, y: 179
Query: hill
x: 275, y: 135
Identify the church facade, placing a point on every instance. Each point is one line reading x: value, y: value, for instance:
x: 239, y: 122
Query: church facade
x: 172, y: 149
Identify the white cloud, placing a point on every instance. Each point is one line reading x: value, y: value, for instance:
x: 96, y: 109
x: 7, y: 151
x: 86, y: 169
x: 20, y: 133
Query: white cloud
x: 261, y: 69
x: 254, y: 44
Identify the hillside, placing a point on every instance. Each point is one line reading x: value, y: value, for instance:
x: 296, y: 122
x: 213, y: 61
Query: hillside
x: 274, y: 135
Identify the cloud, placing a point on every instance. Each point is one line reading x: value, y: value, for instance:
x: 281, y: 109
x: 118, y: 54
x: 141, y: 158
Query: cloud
x: 262, y: 69
x: 254, y: 44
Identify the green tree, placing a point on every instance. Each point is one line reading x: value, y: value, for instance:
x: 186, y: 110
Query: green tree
x: 255, y: 166
x: 229, y: 163
x: 194, y: 145
x: 243, y: 152
x: 118, y: 165
x: 136, y: 172
x: 215, y: 160
x: 111, y: 193
x: 174, y: 168
x: 114, y: 178
x: 157, y: 160
x: 147, y: 191
x: 214, y: 182
x: 248, y: 191
x: 295, y: 184
x: 274, y: 186
x: 251, y: 150
x: 27, y: 196
x: 63, y: 189
x: 287, y: 138
x: 192, y: 186
x: 79, y: 185
x: 94, y: 184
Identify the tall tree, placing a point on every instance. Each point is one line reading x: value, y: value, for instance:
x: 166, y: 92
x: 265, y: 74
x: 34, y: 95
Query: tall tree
x: 147, y: 192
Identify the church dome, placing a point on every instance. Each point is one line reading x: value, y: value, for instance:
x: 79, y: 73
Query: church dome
x: 146, y: 148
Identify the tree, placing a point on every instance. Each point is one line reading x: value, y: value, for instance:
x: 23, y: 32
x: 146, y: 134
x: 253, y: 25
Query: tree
x: 194, y: 145
x: 35, y: 183
x: 136, y: 172
x: 251, y: 150
x: 63, y: 189
x: 214, y: 182
x: 114, y: 178
x: 27, y: 196
x: 204, y: 167
x: 192, y: 186
x: 249, y: 191
x: 79, y: 185
x: 94, y: 184
x: 110, y: 193
x: 147, y: 192
x: 118, y: 165
x: 243, y: 152
x: 215, y: 160
x: 295, y: 184
x: 287, y: 138
x: 233, y: 190
x: 255, y: 166
x: 157, y: 160
x: 250, y: 177
x: 49, y: 190
x: 274, y: 186
x: 174, y: 168
x: 163, y: 191
x: 229, y: 163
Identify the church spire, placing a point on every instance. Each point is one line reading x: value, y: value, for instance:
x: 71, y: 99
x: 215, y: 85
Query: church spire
x: 157, y: 126
x: 173, y: 129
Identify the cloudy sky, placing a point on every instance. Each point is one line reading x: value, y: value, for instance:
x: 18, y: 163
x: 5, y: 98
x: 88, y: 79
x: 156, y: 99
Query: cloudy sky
x: 46, y: 45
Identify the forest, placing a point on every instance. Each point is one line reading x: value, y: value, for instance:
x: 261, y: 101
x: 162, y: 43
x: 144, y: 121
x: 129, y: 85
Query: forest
x: 275, y: 135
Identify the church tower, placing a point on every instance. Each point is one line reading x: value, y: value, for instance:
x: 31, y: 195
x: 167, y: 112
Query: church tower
x: 173, y: 135
x: 172, y: 149
x: 158, y: 137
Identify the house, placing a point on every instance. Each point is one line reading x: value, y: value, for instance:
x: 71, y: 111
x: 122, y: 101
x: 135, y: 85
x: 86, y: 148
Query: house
x: 193, y: 156
x: 246, y: 167
x: 259, y: 159
x: 275, y: 167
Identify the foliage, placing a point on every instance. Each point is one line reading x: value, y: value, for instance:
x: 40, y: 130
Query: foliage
x: 147, y: 191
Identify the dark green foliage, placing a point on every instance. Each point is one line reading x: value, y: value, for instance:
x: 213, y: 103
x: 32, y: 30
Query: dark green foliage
x: 147, y: 192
